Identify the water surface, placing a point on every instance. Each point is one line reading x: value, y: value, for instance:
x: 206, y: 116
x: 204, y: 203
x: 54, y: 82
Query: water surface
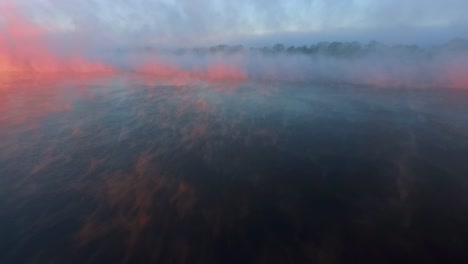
x: 127, y: 169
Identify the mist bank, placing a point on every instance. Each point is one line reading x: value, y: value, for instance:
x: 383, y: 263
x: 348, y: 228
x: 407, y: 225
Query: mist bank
x: 26, y: 47
x: 370, y: 63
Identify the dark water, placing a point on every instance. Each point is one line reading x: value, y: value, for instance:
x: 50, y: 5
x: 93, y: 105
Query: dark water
x: 130, y: 170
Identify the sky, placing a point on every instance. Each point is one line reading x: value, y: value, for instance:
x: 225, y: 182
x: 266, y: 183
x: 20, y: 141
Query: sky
x: 255, y: 22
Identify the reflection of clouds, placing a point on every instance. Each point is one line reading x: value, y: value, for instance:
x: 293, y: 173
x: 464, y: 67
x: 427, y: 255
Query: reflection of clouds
x: 135, y: 202
x: 108, y: 144
x: 138, y: 167
x: 28, y: 98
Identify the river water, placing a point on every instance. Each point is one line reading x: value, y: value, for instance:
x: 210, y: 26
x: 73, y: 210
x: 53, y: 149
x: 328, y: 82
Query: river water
x: 129, y: 169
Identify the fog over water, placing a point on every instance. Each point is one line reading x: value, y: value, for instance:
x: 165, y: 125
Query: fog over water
x: 205, y: 131
x: 97, y: 36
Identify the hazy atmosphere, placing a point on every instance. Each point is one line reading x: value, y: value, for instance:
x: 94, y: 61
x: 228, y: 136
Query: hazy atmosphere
x: 211, y: 131
x: 366, y: 42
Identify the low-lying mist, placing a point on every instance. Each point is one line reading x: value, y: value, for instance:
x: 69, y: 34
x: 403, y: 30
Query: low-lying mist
x: 27, y: 47
x: 371, y: 63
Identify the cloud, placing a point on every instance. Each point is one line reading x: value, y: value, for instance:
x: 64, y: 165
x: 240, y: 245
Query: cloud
x: 207, y: 22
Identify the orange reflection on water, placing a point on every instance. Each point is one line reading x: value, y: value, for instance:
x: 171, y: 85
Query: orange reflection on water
x: 458, y: 75
x: 136, y: 201
x: 27, y: 98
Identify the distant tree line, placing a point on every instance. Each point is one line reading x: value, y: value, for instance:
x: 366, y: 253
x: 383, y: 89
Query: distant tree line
x: 334, y: 49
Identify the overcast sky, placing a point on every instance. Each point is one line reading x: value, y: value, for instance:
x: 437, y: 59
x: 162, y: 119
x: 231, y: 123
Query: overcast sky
x: 261, y: 22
